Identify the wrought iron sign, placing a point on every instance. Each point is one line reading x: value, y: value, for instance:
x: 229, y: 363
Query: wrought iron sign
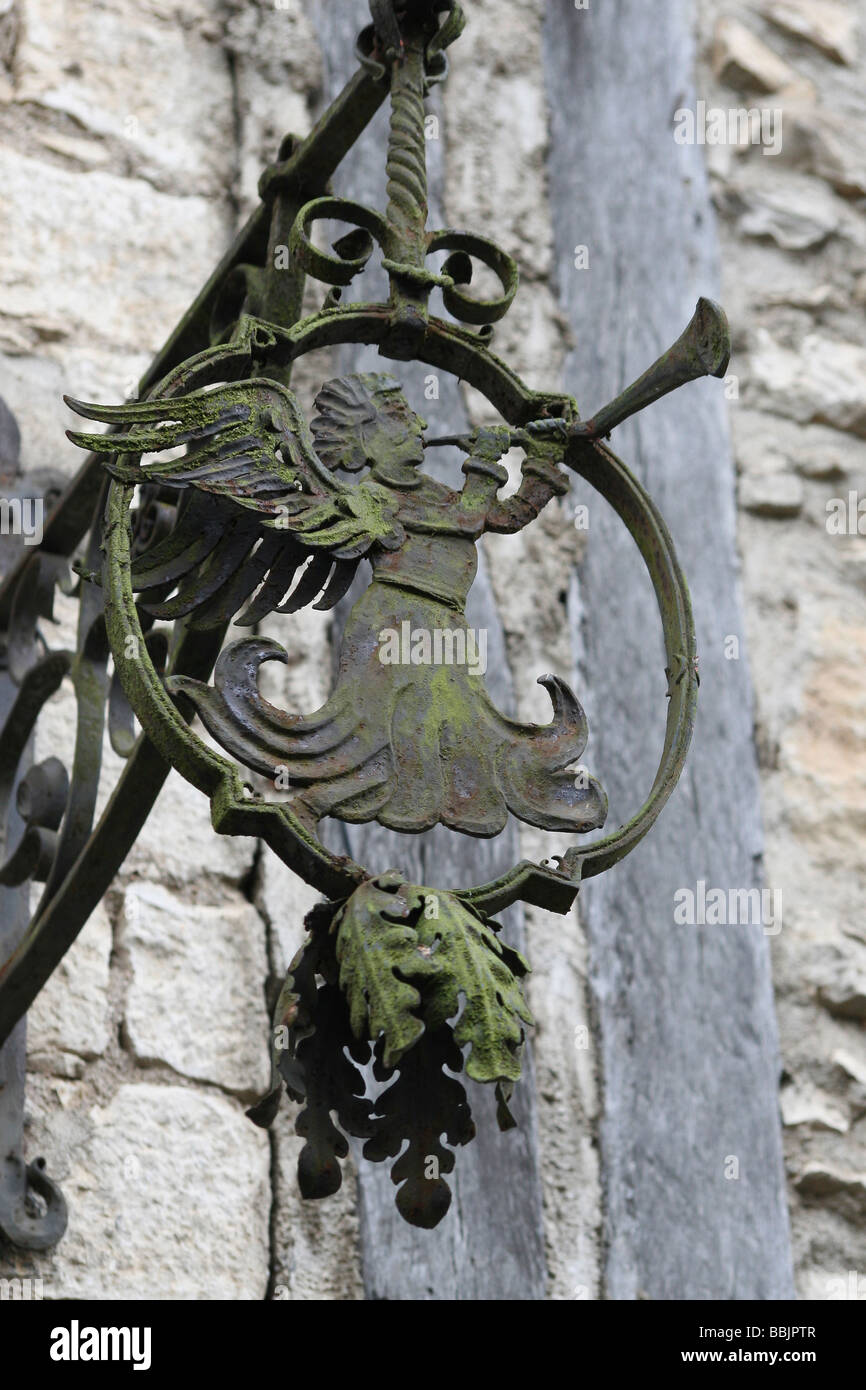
x: 264, y: 513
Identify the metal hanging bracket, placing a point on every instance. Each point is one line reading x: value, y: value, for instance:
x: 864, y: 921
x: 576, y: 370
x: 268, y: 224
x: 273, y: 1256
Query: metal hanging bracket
x: 257, y: 517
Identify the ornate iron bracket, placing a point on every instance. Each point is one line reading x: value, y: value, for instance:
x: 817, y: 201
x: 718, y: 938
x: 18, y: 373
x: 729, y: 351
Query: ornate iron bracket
x: 32, y: 1208
x: 256, y: 518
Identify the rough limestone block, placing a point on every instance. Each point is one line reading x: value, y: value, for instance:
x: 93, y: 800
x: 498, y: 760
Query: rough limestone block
x: 853, y: 1072
x: 817, y: 452
x: 828, y: 144
x: 803, y: 1104
x: 744, y: 61
x: 838, y: 1284
x: 169, y: 1197
x: 839, y: 1188
x: 196, y: 991
x: 823, y: 381
x: 776, y: 494
x: 71, y: 1015
x: 277, y: 72
x: 797, y: 217
x: 122, y: 260
x: 178, y: 843
x: 33, y: 388
x: 824, y: 764
x: 842, y: 987
x: 156, y: 93
x: 829, y: 26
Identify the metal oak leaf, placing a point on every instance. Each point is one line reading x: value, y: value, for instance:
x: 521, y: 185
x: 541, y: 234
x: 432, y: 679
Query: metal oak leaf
x: 292, y: 1022
x: 395, y: 960
x: 374, y: 949
x: 331, y: 1082
x: 424, y: 1196
x: 474, y: 962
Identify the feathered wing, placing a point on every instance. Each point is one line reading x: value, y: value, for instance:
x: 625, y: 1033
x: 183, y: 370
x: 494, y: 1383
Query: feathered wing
x: 260, y: 504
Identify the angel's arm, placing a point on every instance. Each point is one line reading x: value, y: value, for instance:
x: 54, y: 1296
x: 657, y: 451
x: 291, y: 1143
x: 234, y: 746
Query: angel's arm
x: 541, y: 479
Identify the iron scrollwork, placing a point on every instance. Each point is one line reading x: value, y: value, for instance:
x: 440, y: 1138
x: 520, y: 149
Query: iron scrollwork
x: 258, y: 516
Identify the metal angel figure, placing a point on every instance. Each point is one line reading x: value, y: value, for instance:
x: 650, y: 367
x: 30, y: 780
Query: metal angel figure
x: 409, y: 745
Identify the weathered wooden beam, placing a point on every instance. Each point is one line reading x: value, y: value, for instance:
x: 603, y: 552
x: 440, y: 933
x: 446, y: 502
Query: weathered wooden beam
x: 686, y: 1035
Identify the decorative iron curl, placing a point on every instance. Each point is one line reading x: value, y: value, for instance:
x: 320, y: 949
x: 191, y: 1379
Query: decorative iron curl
x: 457, y: 271
x: 370, y: 52
x: 353, y: 251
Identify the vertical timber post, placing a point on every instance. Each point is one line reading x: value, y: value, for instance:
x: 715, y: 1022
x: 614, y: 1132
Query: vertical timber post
x: 692, y: 1167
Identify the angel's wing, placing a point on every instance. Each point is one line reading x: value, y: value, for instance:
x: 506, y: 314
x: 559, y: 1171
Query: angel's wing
x: 248, y: 442
x: 260, y: 502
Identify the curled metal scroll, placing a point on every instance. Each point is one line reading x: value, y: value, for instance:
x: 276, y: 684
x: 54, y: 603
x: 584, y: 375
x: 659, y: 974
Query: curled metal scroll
x: 458, y: 269
x: 354, y: 251
x: 33, y: 1212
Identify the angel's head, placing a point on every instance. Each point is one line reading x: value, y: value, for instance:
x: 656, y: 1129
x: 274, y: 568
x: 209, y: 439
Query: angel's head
x: 365, y: 421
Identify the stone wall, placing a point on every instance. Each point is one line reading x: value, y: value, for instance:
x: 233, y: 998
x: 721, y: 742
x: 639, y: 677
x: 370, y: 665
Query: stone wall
x: 132, y: 138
